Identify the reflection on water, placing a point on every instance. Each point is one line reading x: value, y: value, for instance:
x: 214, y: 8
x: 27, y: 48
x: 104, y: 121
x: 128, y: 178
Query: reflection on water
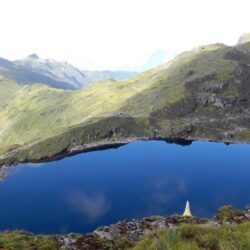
x: 91, y: 206
x: 80, y: 193
x: 174, y: 189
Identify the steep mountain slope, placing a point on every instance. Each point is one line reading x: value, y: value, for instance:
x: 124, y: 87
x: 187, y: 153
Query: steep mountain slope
x: 202, y: 94
x: 26, y: 76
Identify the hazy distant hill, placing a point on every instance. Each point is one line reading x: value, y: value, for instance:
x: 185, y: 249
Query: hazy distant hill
x: 93, y: 76
x: 244, y: 38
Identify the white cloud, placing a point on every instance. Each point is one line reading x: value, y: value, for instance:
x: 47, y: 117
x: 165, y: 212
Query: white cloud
x: 97, y: 34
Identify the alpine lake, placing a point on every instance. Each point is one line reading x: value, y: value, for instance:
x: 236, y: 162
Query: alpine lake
x: 143, y: 178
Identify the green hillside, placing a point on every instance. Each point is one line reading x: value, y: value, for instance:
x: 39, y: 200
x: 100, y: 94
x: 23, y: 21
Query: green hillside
x: 201, y: 94
x: 7, y: 90
x: 190, y: 237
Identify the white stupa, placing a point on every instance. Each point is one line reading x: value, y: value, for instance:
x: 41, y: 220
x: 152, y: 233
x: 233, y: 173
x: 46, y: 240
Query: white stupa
x: 187, y: 212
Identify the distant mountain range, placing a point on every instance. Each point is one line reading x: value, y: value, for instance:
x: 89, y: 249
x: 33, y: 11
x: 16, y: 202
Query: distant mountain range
x: 62, y: 75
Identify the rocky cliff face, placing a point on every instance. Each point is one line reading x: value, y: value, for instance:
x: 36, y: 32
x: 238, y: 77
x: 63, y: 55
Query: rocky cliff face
x: 217, y: 102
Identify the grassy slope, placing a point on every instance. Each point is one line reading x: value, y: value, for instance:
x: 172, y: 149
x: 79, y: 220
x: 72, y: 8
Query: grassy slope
x: 23, y: 240
x: 7, y: 90
x: 38, y: 112
x: 191, y: 237
x: 185, y: 237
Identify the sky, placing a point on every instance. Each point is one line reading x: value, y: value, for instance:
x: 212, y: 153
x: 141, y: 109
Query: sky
x: 117, y: 34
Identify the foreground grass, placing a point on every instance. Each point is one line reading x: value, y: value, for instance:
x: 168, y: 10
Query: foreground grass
x: 185, y: 237
x: 23, y: 240
x: 192, y: 237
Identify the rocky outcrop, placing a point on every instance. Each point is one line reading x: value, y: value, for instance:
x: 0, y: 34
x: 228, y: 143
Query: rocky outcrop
x: 133, y: 230
x: 125, y: 233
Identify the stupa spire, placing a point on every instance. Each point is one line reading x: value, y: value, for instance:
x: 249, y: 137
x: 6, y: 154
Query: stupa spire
x: 187, y: 212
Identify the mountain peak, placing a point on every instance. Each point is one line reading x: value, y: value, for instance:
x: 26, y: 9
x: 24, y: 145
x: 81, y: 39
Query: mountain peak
x: 245, y: 38
x: 33, y: 56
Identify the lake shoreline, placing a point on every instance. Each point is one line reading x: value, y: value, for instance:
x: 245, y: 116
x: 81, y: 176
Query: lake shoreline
x: 127, y: 233
x: 103, y: 145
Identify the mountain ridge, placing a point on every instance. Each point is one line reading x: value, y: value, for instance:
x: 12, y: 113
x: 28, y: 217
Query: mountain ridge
x: 60, y: 71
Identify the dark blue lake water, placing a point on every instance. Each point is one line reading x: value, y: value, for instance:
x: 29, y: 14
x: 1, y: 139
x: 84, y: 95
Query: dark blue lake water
x: 80, y: 193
